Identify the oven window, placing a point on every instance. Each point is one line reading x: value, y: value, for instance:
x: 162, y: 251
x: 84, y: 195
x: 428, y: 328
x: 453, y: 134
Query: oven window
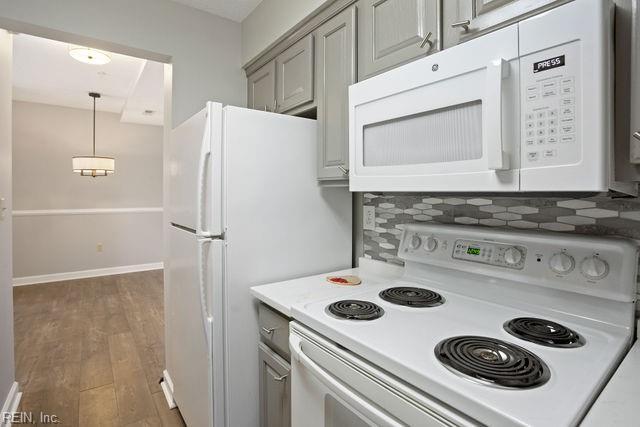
x: 338, y: 415
x: 445, y: 135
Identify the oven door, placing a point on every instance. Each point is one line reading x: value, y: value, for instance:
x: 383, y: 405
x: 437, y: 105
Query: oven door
x: 332, y: 388
x: 447, y: 122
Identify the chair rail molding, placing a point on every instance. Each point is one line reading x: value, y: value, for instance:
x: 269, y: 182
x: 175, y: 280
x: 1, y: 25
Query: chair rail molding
x: 98, y: 211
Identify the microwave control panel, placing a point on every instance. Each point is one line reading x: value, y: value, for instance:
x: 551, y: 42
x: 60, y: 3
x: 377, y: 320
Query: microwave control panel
x: 550, y: 91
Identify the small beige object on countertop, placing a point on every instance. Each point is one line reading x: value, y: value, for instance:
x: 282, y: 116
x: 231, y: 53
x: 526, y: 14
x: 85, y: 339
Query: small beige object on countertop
x: 344, y: 280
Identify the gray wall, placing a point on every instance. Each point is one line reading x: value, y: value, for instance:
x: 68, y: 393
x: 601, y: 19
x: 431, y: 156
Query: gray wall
x: 205, y: 49
x: 270, y: 20
x: 45, y: 138
x: 6, y: 293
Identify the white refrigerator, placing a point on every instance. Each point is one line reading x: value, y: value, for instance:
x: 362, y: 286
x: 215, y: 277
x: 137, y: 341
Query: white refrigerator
x: 244, y: 209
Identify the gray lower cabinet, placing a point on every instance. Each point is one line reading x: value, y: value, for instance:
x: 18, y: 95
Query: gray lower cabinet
x: 261, y: 92
x: 275, y: 389
x: 335, y: 71
x: 294, y: 75
x: 392, y: 32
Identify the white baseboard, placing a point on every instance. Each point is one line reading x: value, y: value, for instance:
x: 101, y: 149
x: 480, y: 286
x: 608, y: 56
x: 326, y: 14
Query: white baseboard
x: 167, y: 389
x: 10, y: 403
x: 84, y: 274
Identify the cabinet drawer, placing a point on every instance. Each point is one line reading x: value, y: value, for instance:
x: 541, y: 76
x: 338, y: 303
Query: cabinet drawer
x: 274, y: 329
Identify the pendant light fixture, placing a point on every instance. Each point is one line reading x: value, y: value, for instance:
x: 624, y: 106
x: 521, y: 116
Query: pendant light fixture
x: 93, y: 165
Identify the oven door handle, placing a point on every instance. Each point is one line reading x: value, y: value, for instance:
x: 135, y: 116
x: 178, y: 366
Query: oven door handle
x: 361, y: 404
x: 497, y: 158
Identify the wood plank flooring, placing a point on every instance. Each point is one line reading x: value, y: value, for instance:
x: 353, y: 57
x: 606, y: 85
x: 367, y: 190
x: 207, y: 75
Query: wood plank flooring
x: 91, y: 351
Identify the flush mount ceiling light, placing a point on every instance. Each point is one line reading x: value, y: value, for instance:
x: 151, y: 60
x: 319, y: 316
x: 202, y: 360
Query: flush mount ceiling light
x: 94, y: 165
x: 88, y: 55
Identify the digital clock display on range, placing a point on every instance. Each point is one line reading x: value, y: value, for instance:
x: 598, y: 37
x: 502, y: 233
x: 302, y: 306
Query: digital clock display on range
x: 473, y: 251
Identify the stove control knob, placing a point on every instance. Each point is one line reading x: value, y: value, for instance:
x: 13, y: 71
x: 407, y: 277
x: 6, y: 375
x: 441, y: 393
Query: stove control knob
x: 562, y: 263
x: 430, y: 244
x: 594, y: 268
x: 415, y: 242
x: 512, y: 256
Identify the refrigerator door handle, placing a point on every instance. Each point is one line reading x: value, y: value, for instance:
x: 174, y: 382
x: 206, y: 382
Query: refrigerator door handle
x: 201, y: 199
x: 207, y: 319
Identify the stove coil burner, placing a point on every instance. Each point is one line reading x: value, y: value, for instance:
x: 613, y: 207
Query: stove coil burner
x: 492, y: 361
x: 412, y: 297
x: 544, y: 332
x: 355, y: 310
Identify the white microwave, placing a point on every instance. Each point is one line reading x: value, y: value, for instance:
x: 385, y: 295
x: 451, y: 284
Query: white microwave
x: 524, y: 108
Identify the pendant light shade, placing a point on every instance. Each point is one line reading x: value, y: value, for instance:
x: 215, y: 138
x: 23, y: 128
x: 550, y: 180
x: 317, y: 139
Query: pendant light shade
x: 93, y: 166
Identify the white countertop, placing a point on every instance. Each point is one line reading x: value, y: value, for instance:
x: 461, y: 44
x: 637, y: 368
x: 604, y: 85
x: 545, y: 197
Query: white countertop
x: 282, y: 295
x: 618, y: 403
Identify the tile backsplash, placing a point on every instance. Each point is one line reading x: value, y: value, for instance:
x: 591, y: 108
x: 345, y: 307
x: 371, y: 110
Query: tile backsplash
x: 598, y: 215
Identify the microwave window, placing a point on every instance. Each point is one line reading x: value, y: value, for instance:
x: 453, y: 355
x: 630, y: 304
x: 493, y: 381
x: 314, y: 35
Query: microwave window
x: 438, y: 136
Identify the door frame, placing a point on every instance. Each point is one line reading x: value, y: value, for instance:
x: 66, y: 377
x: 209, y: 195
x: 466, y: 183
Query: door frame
x: 15, y: 27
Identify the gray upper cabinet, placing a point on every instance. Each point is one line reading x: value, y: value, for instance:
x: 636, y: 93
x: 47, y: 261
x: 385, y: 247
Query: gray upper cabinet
x: 335, y: 71
x: 456, y: 16
x: 485, y: 6
x: 262, y: 88
x: 489, y: 15
x: 294, y: 75
x: 275, y: 389
x: 392, y: 32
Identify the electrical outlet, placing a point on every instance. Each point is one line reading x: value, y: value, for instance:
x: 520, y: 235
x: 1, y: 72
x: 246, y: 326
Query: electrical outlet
x: 369, y: 217
x: 99, y: 247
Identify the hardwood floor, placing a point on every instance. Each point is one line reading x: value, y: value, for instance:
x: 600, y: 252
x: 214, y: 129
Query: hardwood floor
x: 91, y: 351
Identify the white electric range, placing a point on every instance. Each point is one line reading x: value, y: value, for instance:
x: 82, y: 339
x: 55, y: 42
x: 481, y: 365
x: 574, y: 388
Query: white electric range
x: 484, y: 327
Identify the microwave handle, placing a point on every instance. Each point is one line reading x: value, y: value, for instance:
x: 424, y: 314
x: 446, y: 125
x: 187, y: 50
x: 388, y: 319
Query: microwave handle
x: 497, y: 158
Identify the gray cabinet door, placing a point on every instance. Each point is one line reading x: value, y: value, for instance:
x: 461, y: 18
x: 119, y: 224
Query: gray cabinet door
x: 392, y: 32
x: 262, y: 88
x: 294, y: 73
x: 455, y: 12
x: 275, y: 389
x: 489, y: 15
x: 336, y: 70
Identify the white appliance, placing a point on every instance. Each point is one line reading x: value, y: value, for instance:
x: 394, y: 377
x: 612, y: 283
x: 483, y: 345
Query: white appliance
x: 485, y: 327
x: 524, y: 108
x: 243, y: 204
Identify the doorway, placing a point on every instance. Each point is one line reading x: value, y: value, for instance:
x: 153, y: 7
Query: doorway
x: 87, y: 249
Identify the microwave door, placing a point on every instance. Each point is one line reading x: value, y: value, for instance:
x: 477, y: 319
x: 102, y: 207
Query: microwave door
x: 448, y: 122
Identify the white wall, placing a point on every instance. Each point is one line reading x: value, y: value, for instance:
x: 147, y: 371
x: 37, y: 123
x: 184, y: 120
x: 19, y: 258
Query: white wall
x: 6, y: 292
x: 45, y: 137
x: 270, y: 20
x: 205, y: 49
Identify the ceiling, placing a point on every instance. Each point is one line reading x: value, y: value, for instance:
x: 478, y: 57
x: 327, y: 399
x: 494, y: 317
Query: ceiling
x: 43, y: 72
x: 236, y: 10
